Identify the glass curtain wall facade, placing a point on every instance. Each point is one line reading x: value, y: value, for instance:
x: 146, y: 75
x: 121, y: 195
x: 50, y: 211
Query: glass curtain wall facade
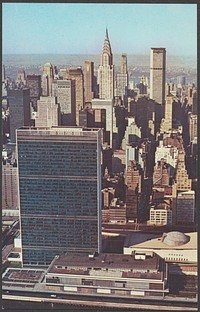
x: 60, y: 192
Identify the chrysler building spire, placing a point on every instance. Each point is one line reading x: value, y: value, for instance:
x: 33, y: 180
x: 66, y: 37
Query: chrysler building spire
x: 106, y: 56
x: 106, y: 71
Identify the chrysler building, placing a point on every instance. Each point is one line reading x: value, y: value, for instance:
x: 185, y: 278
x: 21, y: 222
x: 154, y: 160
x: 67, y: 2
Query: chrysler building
x: 106, y: 71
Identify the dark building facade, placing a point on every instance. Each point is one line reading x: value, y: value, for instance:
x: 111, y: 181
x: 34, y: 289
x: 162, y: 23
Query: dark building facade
x: 89, y: 81
x: 60, y: 192
x: 19, y: 105
x: 34, y: 84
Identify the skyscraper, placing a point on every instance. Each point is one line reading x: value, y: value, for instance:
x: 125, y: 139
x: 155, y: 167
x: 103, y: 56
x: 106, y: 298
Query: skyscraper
x: 108, y: 106
x: 124, y: 64
x: 106, y: 71
x: 192, y: 123
x: 122, y: 79
x: 9, y: 186
x: 157, y: 74
x: 34, y: 84
x: 65, y: 91
x: 21, y: 78
x: 166, y: 126
x: 60, y: 192
x: 89, y: 81
x: 47, y: 79
x: 19, y: 105
x: 133, y: 183
x: 185, y: 207
x: 48, y: 112
x: 183, y: 183
x: 77, y: 75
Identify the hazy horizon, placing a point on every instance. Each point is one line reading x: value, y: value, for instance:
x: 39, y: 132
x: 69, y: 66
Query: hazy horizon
x: 36, y: 59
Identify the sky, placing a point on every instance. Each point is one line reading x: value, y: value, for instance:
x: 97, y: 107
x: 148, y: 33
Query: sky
x: 67, y: 28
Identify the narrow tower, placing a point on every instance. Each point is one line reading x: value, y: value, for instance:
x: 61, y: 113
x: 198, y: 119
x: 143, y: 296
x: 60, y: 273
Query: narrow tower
x: 106, y: 71
x: 157, y: 74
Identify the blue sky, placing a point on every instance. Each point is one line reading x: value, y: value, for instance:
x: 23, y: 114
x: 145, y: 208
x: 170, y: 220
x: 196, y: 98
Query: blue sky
x: 64, y: 28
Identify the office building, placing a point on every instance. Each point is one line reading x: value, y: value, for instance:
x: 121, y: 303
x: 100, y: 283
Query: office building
x: 133, y: 178
x: 19, y: 105
x: 108, y: 106
x: 145, y: 116
x: 34, y: 84
x: 107, y: 154
x: 132, y: 133
x: 107, y: 196
x: 100, y: 118
x: 169, y: 153
x: 194, y: 102
x: 122, y: 80
x: 65, y: 91
x: 21, y: 78
x: 116, y: 212
x: 124, y: 69
x: 89, y: 81
x: 48, y: 112
x: 133, y: 182
x: 9, y: 186
x: 77, y: 75
x: 160, y: 215
x: 185, y: 208
x: 106, y: 71
x: 133, y: 152
x: 109, y: 275
x: 86, y: 118
x: 161, y: 173
x: 4, y: 85
x: 118, y: 161
x: 143, y: 85
x: 63, y: 72
x: 47, y: 79
x: 157, y: 74
x: 190, y: 90
x: 166, y: 126
x: 192, y: 122
x: 60, y: 192
x: 183, y: 183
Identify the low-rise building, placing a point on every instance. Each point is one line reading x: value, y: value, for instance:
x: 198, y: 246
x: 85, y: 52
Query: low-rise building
x: 117, y: 211
x: 174, y: 247
x: 160, y: 216
x: 110, y: 274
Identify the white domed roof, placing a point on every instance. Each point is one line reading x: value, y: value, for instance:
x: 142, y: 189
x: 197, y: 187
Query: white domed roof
x: 175, y: 238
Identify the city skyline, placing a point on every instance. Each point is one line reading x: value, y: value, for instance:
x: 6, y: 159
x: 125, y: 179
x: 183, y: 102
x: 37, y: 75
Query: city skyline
x: 31, y: 28
x: 99, y: 159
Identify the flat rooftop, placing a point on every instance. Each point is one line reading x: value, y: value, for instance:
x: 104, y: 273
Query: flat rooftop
x: 23, y: 275
x: 138, y: 240
x: 110, y: 261
x: 66, y: 132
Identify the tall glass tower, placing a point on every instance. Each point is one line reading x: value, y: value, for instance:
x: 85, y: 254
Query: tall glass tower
x: 60, y: 191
